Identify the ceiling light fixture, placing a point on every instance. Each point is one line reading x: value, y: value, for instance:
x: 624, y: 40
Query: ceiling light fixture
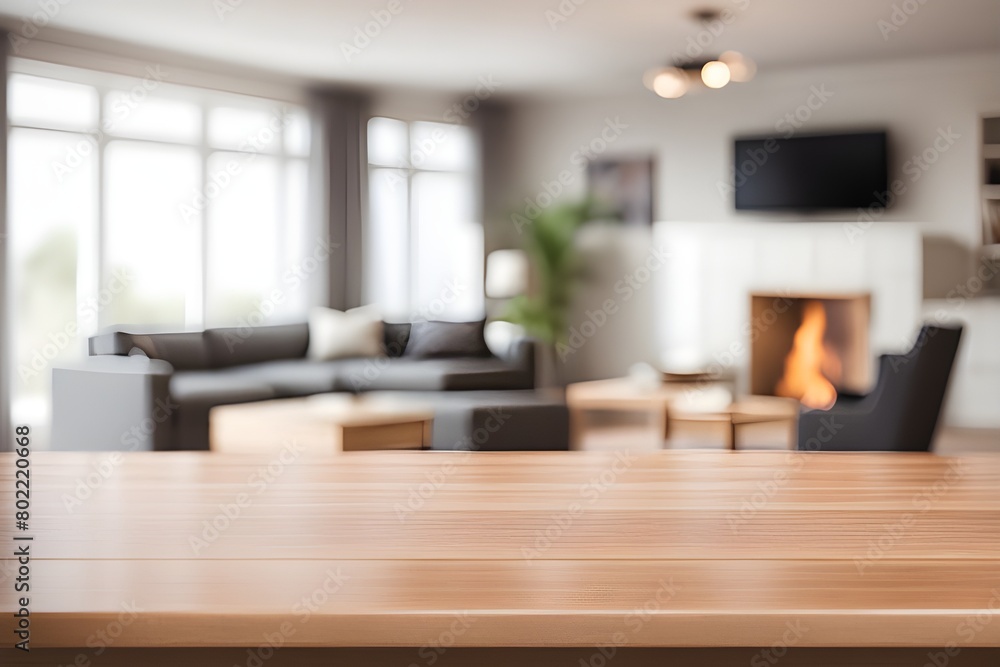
x: 673, y: 81
x: 714, y: 72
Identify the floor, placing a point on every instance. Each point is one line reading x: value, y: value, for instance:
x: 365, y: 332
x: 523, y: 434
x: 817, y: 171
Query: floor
x: 610, y: 431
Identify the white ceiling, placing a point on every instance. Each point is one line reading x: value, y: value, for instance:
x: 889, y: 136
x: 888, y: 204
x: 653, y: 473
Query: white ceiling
x: 604, y: 45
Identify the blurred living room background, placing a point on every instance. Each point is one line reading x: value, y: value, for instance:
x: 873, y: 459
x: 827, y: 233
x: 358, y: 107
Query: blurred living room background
x: 571, y: 168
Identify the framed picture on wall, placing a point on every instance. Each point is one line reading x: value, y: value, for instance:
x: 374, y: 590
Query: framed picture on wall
x: 622, y: 188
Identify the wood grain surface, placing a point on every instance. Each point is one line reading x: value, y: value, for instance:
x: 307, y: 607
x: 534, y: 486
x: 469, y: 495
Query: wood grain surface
x: 550, y: 549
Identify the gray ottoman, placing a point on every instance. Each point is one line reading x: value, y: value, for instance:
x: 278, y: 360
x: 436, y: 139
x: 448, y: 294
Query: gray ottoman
x: 496, y: 421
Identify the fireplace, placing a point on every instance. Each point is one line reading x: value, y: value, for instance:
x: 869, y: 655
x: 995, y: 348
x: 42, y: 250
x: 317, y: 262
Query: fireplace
x: 810, y: 347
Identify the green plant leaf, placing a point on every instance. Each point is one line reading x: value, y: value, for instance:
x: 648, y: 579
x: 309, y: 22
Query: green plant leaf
x: 550, y: 246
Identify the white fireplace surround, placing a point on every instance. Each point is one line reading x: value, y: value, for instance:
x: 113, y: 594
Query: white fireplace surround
x: 703, y: 314
x: 698, y: 310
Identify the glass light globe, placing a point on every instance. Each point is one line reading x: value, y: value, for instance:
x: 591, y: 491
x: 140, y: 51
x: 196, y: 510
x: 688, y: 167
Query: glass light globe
x: 670, y: 83
x: 741, y: 68
x: 715, y: 74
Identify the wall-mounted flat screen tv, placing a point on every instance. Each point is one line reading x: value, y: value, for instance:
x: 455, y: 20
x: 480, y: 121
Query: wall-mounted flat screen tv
x: 811, y: 173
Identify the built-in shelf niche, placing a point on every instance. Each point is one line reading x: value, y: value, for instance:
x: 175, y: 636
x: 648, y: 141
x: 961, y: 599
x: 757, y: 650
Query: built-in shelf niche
x: 990, y: 184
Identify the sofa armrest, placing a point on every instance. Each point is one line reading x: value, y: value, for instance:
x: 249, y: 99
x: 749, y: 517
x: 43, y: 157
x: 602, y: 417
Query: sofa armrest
x: 521, y: 355
x: 112, y: 402
x: 851, y: 428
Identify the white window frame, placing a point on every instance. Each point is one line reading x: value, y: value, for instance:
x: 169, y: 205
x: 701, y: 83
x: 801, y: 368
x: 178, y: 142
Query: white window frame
x: 404, y: 164
x: 195, y: 299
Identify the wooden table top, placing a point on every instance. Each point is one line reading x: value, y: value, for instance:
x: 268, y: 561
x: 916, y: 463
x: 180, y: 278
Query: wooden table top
x: 665, y: 549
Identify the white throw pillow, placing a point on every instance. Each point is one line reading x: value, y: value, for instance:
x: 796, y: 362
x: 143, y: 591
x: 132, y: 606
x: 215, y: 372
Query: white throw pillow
x: 334, y: 334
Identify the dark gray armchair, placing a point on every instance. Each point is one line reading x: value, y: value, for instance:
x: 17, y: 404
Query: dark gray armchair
x: 901, y: 412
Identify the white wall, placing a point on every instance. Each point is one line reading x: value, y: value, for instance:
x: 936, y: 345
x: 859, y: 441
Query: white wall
x: 613, y: 318
x: 974, y: 394
x: 691, y: 138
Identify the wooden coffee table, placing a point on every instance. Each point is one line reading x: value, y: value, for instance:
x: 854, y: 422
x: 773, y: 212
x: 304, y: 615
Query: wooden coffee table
x: 321, y: 424
x: 666, y: 402
x: 617, y: 394
x: 749, y: 410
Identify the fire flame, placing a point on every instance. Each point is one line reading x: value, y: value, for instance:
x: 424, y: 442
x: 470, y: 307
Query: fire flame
x: 810, y: 363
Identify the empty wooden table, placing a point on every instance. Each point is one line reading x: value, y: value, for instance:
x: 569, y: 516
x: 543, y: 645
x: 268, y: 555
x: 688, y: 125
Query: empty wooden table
x: 690, y: 553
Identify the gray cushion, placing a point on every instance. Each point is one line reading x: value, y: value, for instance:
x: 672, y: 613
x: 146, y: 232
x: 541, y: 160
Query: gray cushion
x: 396, y: 334
x: 408, y: 374
x: 236, y: 346
x: 447, y: 339
x: 472, y: 373
x: 217, y: 388
x: 183, y: 351
x: 291, y: 377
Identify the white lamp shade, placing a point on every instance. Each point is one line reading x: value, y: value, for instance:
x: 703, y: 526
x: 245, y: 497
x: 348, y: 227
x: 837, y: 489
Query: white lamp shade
x: 501, y: 335
x: 506, y: 273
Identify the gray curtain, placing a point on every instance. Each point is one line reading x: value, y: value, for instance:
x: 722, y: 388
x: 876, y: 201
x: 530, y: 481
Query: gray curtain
x: 494, y: 120
x: 6, y: 368
x: 338, y: 185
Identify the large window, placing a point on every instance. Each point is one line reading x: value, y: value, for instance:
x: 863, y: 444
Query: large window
x: 139, y: 202
x: 424, y: 237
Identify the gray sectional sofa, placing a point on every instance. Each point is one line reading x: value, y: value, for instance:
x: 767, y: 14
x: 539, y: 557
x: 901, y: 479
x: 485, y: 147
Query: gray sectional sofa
x: 154, y: 391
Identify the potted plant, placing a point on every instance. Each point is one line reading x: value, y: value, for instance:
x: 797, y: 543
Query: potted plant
x: 549, y: 241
